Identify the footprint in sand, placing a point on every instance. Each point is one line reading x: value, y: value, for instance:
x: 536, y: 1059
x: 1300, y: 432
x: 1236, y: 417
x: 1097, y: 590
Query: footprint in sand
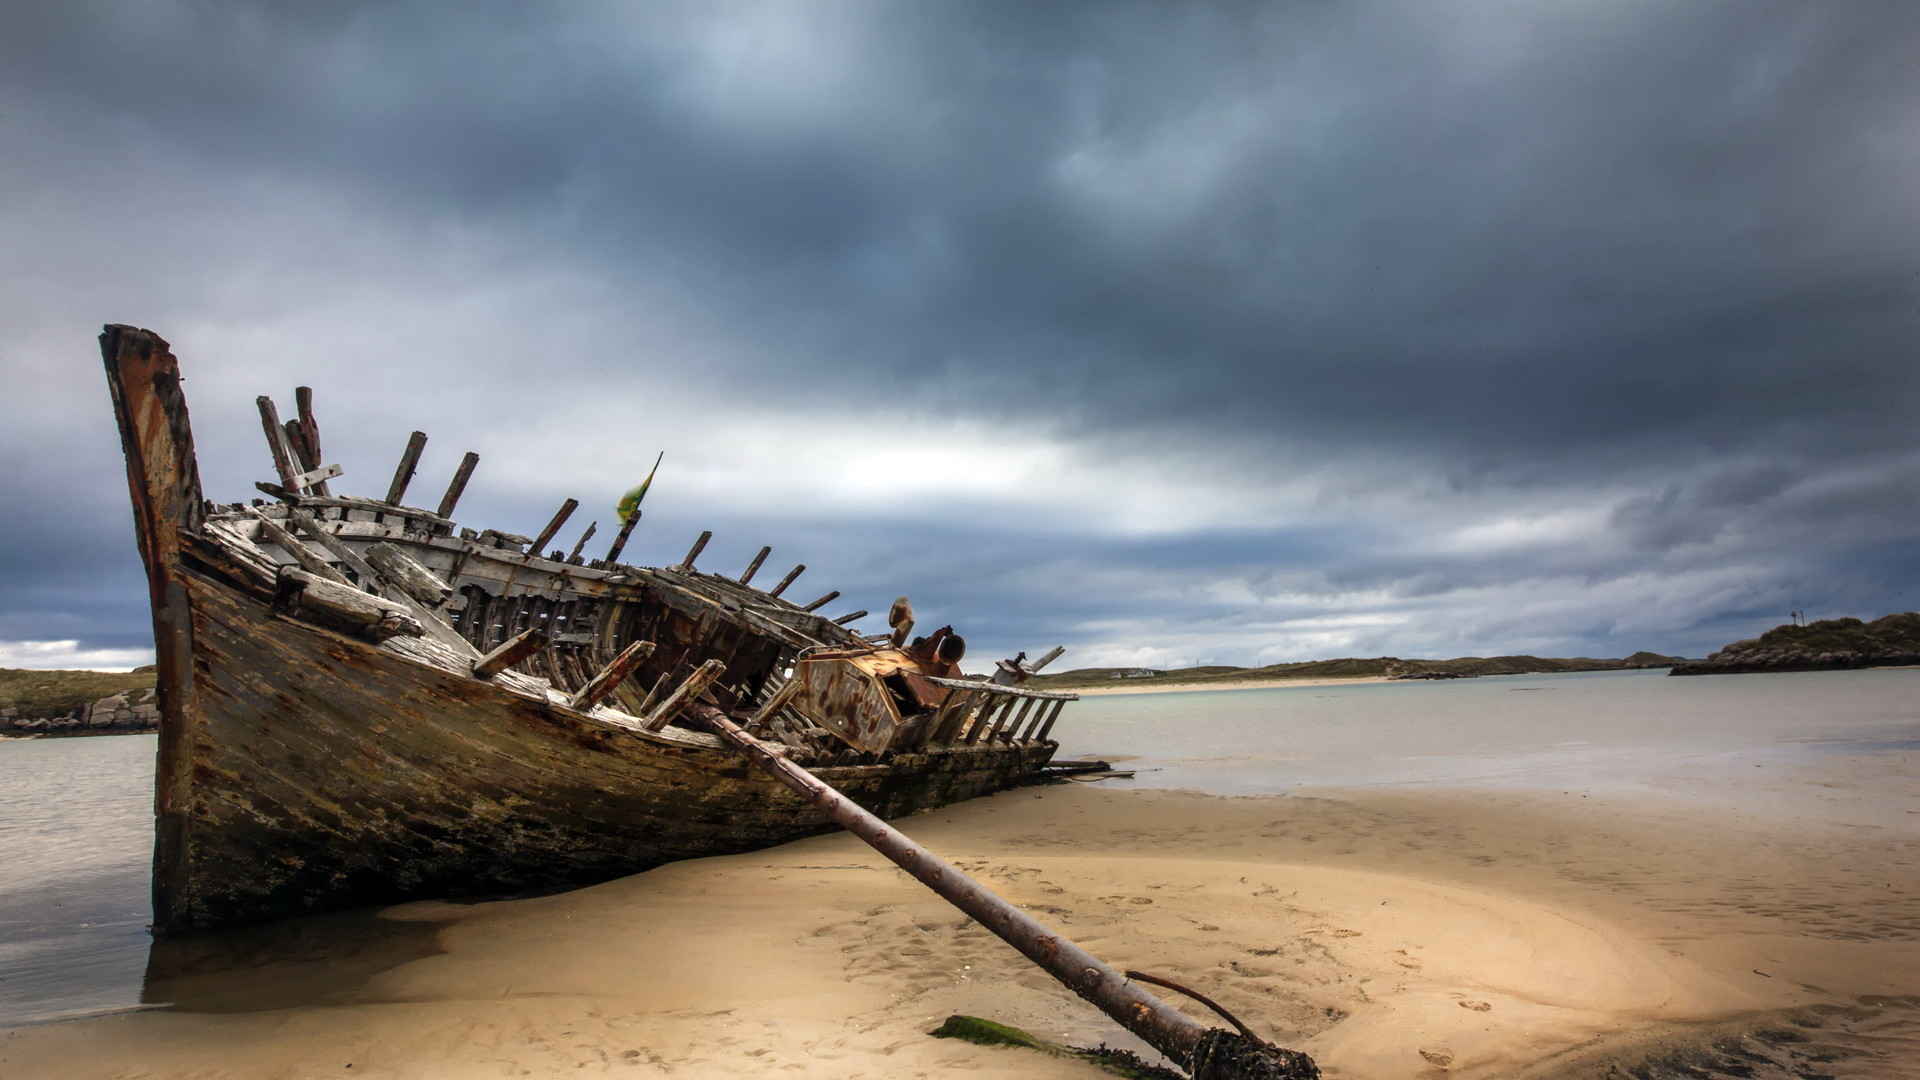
x: 1477, y: 1006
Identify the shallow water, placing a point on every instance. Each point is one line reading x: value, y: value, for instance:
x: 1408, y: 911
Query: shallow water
x: 76, y: 834
x: 76, y: 824
x: 1711, y: 738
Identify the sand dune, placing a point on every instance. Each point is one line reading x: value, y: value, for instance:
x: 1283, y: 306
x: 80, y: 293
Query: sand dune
x: 1390, y: 934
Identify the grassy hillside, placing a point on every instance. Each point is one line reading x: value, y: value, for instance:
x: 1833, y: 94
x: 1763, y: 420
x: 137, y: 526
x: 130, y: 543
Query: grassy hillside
x: 1827, y: 644
x: 52, y: 693
x: 1348, y: 667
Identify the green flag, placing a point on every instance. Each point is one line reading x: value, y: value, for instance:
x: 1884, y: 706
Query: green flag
x: 630, y: 502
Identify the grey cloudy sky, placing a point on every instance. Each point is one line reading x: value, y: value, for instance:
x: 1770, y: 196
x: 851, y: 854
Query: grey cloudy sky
x: 1232, y: 333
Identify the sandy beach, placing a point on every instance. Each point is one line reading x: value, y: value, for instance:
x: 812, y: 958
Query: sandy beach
x: 1390, y: 932
x: 1148, y: 686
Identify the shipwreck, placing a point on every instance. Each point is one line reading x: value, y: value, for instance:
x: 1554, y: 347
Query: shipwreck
x: 362, y: 702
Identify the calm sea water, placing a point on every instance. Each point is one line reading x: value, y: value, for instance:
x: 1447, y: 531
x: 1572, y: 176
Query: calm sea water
x: 76, y: 814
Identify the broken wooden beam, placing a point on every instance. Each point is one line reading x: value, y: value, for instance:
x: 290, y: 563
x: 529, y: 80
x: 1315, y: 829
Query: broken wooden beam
x: 823, y: 601
x: 1052, y: 654
x: 1206, y: 1053
x: 777, y: 702
x: 560, y: 517
x: 574, y: 556
x: 658, y: 690
x: 694, y: 551
x: 297, y: 549
x: 315, y: 479
x: 851, y: 617
x: 684, y: 694
x: 754, y: 566
x: 403, y: 473
x: 608, y: 678
x: 788, y: 580
x: 277, y: 444
x: 458, y: 485
x: 405, y: 573
x: 341, y: 607
x: 437, y: 626
x: 308, y: 442
x: 510, y: 652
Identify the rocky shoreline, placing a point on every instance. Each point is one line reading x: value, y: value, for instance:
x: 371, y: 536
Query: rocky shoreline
x: 130, y: 712
x: 1827, y: 645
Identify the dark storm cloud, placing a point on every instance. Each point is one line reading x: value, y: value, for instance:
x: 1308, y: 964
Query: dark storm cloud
x: 1541, y: 297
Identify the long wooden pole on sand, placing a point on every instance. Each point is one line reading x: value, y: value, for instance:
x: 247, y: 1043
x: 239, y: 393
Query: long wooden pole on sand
x: 1206, y: 1053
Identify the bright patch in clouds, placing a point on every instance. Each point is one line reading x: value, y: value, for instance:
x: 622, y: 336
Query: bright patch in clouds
x: 69, y: 656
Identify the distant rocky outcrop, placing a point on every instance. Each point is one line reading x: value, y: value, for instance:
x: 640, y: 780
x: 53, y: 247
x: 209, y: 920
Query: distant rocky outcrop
x: 42, y: 703
x: 1830, y: 644
x: 121, y: 714
x: 1391, y: 667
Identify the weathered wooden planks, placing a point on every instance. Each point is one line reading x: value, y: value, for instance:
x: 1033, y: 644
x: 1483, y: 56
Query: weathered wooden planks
x: 401, y: 570
x: 343, y: 607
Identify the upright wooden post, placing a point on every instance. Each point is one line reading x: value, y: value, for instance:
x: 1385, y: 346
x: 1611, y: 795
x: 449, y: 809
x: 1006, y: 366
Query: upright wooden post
x: 620, y: 538
x: 788, y: 580
x: 574, y: 556
x: 1019, y: 718
x: 823, y: 601
x: 693, y: 552
x: 560, y: 516
x: 851, y: 616
x: 1047, y: 728
x: 1206, y: 1053
x: 277, y: 444
x: 403, y: 473
x: 754, y: 566
x: 1039, y: 713
x: 308, y: 444
x: 458, y: 485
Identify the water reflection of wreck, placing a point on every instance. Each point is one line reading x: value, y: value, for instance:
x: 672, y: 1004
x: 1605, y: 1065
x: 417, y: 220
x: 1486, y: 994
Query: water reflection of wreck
x: 363, y: 702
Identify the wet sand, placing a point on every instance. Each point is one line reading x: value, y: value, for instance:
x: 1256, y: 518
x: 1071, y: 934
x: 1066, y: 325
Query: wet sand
x: 1143, y: 686
x: 1392, y: 932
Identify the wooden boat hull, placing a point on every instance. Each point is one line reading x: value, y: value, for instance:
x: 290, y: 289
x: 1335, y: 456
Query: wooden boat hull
x: 330, y: 773
x: 303, y: 768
